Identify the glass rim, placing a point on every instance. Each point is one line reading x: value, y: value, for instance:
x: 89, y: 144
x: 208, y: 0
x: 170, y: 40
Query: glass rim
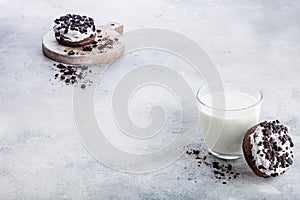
x: 258, y: 101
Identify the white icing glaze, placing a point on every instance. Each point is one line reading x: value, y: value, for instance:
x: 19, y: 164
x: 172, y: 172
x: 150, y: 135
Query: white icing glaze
x: 74, y: 36
x: 255, y: 138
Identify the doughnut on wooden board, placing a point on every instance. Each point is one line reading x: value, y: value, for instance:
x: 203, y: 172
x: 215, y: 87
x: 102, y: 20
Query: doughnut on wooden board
x: 110, y: 46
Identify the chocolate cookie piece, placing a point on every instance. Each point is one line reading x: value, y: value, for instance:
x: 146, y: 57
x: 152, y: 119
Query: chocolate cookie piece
x: 268, y: 149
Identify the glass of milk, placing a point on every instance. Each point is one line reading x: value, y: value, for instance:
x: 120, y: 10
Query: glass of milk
x: 227, y: 111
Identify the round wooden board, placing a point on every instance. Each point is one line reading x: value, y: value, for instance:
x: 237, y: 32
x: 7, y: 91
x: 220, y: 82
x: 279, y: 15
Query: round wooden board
x: 110, y: 46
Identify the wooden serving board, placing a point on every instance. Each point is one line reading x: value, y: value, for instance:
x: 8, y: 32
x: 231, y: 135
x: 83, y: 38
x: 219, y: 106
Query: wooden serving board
x: 110, y: 46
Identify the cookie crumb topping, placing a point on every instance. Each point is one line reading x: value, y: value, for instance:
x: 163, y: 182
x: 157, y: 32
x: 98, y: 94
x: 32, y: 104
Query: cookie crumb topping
x: 74, y: 28
x: 272, y: 148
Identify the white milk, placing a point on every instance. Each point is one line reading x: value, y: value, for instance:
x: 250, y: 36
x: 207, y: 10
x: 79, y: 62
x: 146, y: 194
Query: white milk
x: 236, y: 123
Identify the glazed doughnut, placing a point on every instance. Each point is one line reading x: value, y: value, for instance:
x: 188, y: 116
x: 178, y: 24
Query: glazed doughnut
x: 74, y: 30
x: 268, y: 149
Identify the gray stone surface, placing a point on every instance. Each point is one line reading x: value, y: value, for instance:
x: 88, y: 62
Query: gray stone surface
x: 41, y: 156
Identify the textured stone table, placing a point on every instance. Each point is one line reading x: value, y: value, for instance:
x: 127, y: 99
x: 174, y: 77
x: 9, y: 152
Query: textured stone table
x: 41, y: 156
